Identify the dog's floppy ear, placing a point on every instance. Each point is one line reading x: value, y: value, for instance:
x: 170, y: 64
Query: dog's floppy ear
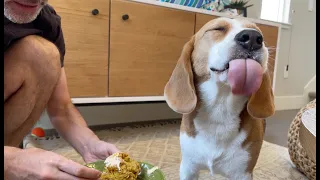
x: 261, y: 103
x: 179, y: 92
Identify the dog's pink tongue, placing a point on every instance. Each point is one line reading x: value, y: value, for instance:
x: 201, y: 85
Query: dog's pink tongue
x: 244, y: 76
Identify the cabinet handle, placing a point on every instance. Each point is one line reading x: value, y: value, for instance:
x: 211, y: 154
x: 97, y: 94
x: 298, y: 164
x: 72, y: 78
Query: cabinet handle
x: 125, y: 17
x: 95, y: 12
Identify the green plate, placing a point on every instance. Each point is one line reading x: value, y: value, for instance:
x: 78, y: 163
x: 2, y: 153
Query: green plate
x: 156, y: 175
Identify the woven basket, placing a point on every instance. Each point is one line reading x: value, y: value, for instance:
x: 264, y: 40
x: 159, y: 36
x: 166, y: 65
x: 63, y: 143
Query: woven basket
x: 298, y: 155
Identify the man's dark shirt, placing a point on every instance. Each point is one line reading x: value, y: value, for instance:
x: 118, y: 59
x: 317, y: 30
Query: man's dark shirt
x: 46, y: 25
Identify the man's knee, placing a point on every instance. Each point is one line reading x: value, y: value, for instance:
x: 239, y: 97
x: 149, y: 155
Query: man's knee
x: 38, y: 54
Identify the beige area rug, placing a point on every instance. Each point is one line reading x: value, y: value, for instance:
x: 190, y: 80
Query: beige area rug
x: 159, y: 144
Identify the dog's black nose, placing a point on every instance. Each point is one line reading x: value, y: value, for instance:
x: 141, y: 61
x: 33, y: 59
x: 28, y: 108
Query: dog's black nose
x: 249, y: 39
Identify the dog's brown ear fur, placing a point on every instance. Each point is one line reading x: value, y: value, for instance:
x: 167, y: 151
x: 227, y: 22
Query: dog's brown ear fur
x: 261, y: 103
x: 179, y: 92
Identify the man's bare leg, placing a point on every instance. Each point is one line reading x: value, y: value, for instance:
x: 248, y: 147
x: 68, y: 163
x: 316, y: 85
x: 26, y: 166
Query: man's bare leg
x: 31, y: 71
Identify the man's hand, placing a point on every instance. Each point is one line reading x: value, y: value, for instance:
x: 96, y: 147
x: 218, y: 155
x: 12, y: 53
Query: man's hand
x: 99, y: 150
x: 36, y: 164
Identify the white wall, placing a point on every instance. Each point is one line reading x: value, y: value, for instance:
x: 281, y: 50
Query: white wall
x: 298, y: 48
x: 254, y: 11
x: 311, y: 86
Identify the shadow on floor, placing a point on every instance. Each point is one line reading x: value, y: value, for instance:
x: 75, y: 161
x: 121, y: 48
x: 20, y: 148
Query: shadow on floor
x: 278, y: 127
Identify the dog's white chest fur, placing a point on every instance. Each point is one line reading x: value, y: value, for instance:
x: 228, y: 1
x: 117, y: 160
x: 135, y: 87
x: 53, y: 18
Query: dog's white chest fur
x: 218, y: 142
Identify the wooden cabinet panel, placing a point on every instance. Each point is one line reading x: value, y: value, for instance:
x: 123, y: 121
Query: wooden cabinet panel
x: 86, y: 37
x: 144, y: 49
x: 202, y: 19
x: 270, y: 34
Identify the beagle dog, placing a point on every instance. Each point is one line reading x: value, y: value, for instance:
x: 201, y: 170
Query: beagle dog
x: 222, y: 87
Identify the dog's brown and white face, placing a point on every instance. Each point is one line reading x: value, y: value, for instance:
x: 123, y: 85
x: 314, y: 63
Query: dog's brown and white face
x: 228, y: 52
x: 223, y: 40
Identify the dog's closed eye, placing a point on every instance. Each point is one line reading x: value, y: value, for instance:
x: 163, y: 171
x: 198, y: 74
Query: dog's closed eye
x: 219, y: 28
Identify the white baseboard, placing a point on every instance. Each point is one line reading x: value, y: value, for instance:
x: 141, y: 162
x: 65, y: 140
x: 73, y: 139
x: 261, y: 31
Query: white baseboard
x: 113, y: 114
x: 101, y: 115
x: 296, y: 102
x: 290, y: 102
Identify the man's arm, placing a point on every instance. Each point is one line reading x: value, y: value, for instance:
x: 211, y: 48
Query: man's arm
x: 70, y: 124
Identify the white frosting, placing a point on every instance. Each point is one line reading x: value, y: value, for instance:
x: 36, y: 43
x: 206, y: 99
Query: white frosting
x: 113, y: 160
x: 150, y: 171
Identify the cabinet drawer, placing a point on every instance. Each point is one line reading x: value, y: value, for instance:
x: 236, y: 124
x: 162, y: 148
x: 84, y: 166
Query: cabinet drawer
x: 270, y: 35
x: 145, y: 48
x: 86, y: 37
x: 202, y: 19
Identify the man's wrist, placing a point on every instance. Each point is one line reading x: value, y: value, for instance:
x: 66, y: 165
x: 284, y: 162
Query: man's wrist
x: 69, y: 122
x: 9, y: 155
x: 88, y: 144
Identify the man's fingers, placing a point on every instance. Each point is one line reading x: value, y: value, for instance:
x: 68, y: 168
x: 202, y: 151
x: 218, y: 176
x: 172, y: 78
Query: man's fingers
x: 64, y: 176
x: 113, y: 149
x: 78, y: 170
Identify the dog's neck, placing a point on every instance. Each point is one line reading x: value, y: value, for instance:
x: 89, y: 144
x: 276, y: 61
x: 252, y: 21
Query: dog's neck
x: 218, y: 108
x: 215, y: 95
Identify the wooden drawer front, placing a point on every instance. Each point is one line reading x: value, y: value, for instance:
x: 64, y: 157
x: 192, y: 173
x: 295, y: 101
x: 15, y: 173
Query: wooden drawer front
x: 145, y: 48
x: 86, y: 37
x: 202, y: 19
x: 270, y: 34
